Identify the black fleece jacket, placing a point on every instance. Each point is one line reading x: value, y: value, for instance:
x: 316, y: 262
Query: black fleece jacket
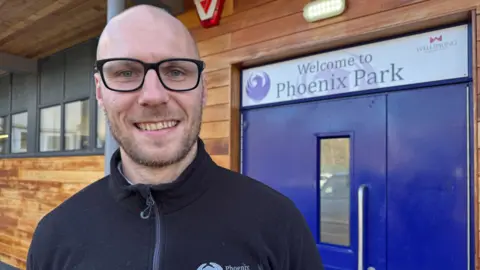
x: 210, y: 218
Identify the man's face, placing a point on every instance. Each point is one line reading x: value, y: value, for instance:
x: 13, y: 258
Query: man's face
x: 153, y: 125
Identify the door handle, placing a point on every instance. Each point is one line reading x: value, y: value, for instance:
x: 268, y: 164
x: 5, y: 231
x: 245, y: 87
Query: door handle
x: 361, y: 226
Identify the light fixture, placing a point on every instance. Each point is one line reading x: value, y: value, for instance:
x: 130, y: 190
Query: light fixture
x: 322, y: 9
x: 3, y: 136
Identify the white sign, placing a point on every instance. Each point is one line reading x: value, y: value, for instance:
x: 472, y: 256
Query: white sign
x: 427, y: 57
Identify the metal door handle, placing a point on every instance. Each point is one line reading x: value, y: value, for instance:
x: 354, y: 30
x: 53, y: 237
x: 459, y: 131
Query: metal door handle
x: 361, y: 223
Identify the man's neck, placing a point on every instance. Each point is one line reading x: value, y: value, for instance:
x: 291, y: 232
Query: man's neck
x: 139, y: 174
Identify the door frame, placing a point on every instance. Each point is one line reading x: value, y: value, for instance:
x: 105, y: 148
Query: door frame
x: 236, y: 137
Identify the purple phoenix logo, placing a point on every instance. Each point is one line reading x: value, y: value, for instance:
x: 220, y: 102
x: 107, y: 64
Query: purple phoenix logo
x: 258, y: 85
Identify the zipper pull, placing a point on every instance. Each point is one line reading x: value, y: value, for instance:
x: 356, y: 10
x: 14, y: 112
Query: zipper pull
x: 145, y: 214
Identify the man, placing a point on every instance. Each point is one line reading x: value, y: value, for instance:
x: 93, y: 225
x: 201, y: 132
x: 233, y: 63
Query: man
x: 166, y: 204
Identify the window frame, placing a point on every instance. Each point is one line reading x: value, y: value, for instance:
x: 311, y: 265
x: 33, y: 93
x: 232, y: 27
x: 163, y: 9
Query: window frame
x: 39, y: 127
x: 92, y: 124
x: 351, y: 140
x: 9, y: 133
x: 17, y: 112
x: 34, y: 108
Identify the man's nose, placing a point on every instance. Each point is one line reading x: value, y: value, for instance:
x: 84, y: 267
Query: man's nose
x: 153, y: 92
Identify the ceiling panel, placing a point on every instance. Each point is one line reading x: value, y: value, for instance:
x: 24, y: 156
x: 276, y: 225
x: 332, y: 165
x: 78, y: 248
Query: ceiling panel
x: 35, y: 29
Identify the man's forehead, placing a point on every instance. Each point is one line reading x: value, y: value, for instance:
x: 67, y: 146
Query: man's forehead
x: 146, y: 33
x: 146, y: 47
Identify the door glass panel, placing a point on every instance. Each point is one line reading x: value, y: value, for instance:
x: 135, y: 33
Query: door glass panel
x: 334, y: 185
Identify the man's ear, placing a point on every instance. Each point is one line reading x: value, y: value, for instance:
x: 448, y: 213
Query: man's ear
x: 98, y: 89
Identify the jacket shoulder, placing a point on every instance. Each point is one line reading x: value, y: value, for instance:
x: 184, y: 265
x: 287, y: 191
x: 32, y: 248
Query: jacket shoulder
x: 254, y: 193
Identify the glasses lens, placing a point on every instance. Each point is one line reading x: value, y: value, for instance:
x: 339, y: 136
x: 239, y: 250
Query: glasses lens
x: 126, y: 75
x: 123, y: 75
x: 179, y: 74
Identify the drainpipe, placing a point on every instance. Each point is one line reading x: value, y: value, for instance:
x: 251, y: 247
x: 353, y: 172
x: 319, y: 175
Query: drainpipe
x: 114, y: 7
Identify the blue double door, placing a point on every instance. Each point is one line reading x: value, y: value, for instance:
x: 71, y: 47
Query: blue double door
x: 381, y: 179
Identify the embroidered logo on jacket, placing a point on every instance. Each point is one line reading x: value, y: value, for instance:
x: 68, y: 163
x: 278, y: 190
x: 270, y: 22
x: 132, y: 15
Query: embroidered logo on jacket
x: 215, y: 266
x: 210, y: 266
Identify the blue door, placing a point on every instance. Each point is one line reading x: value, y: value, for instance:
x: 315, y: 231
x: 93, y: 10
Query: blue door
x: 380, y: 179
x: 427, y: 179
x: 320, y: 154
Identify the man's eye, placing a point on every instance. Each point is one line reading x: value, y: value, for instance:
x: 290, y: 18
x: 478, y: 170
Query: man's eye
x: 175, y: 73
x: 126, y: 73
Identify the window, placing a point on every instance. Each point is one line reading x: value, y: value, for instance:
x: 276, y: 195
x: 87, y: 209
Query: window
x: 50, y: 129
x: 77, y: 127
x: 54, y: 111
x: 335, y: 191
x: 4, y: 133
x: 69, y: 131
x: 19, y: 132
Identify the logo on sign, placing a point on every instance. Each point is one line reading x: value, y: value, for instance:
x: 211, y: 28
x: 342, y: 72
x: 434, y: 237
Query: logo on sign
x: 437, y: 43
x: 258, y: 85
x: 209, y: 11
x: 433, y: 39
x: 210, y: 266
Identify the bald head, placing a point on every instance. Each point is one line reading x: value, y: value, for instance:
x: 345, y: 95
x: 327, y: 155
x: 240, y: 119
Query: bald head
x: 146, y: 30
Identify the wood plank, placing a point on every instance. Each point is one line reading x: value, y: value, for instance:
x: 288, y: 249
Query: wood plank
x: 217, y: 78
x: 254, y: 16
x: 478, y: 25
x: 24, y: 201
x: 64, y: 44
x: 219, y: 95
x: 55, y: 163
x: 235, y: 129
x: 65, y: 176
x: 12, y: 261
x: 223, y: 161
x: 478, y: 108
x: 478, y: 53
x: 392, y: 22
x: 30, y: 19
x: 13, y: 11
x: 215, y: 113
x: 66, y: 39
x: 245, y: 5
x: 217, y: 146
x: 189, y: 19
x: 293, y: 24
x: 215, y: 45
x: 188, y: 4
x: 81, y: 11
x: 215, y: 130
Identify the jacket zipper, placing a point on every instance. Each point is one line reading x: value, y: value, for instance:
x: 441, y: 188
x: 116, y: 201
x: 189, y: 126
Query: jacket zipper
x: 145, y: 214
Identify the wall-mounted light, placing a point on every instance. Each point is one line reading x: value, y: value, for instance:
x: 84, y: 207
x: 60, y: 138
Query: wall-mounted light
x: 3, y: 136
x: 322, y: 9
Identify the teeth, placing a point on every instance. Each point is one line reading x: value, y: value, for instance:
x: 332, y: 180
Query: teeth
x: 156, y: 126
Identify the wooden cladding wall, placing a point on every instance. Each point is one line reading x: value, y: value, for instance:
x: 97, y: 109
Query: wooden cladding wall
x: 254, y: 32
x: 251, y: 32
x: 31, y: 187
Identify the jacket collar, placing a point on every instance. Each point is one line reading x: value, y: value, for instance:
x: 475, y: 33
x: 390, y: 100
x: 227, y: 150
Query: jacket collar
x: 190, y: 185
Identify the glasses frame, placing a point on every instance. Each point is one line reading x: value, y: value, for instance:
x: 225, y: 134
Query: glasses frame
x: 98, y: 67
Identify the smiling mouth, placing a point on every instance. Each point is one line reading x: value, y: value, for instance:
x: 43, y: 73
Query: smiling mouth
x: 155, y: 126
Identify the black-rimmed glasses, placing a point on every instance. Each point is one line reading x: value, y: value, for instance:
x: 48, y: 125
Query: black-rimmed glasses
x: 128, y: 74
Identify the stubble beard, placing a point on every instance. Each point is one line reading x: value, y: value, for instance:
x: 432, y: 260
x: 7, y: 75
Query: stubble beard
x: 135, y: 153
